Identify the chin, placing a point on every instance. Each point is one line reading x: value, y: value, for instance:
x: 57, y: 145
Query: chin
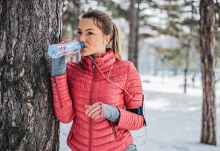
x: 84, y: 54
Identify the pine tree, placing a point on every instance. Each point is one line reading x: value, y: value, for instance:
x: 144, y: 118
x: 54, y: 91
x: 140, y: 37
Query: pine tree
x: 207, y: 45
x: 175, y: 23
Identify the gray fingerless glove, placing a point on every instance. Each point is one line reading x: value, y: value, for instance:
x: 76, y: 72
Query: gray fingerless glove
x: 58, y: 66
x: 111, y: 113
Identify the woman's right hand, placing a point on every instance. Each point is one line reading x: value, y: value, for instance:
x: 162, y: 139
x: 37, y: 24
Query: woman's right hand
x: 68, y: 57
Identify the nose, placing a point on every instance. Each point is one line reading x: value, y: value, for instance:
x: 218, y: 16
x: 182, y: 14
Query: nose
x: 81, y: 38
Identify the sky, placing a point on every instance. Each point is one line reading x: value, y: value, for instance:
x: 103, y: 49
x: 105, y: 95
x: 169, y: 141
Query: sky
x: 173, y: 118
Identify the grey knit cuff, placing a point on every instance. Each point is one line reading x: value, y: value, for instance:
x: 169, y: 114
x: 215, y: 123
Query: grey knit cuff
x: 111, y: 113
x: 58, y: 66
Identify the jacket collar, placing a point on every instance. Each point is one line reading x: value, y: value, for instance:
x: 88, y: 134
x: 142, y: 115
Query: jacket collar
x: 105, y: 60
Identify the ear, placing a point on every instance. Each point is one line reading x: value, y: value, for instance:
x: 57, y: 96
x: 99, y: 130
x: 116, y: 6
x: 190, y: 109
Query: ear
x: 107, y: 39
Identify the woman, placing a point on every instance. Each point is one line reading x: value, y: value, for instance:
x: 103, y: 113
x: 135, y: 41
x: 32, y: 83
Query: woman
x: 94, y: 92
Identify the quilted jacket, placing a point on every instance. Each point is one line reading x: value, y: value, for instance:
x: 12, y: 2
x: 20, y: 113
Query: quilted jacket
x: 84, y: 84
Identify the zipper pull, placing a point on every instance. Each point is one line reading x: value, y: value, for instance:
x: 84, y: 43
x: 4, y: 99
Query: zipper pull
x: 113, y: 128
x: 93, y: 63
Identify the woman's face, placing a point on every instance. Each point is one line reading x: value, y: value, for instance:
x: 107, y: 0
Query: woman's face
x: 92, y: 37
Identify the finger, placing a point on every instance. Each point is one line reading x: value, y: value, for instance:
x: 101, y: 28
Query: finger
x: 67, y: 58
x: 93, y: 108
x: 61, y: 42
x: 96, y: 115
x: 90, y: 112
x: 65, y: 40
x: 97, y: 106
x: 86, y: 106
x: 88, y: 109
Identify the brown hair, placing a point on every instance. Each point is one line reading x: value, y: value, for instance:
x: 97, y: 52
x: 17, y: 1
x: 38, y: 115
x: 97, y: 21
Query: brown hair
x: 104, y: 22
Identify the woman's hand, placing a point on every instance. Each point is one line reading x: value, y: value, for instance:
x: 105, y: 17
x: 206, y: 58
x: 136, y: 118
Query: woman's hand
x: 94, y: 111
x: 68, y: 57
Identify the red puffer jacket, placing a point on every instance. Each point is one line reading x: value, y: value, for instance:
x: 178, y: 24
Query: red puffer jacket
x: 84, y: 84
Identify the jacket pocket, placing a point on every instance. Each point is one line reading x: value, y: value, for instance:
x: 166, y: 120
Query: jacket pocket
x: 114, y: 130
x: 119, y: 135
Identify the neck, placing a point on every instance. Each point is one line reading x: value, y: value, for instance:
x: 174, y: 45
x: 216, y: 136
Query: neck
x: 100, y: 52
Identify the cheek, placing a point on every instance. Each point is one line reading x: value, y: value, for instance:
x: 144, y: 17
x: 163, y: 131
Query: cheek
x: 94, y: 41
x: 96, y: 44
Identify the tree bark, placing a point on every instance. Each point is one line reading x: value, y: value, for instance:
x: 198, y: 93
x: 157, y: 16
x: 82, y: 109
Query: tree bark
x: 132, y: 52
x: 217, y: 11
x: 207, y: 43
x: 27, y: 121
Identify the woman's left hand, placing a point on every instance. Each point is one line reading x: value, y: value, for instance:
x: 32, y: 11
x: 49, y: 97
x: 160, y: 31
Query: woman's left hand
x: 94, y: 111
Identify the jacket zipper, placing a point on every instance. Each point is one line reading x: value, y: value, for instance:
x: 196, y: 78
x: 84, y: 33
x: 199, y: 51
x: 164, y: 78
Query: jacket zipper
x: 55, y: 85
x: 113, y: 129
x: 93, y: 66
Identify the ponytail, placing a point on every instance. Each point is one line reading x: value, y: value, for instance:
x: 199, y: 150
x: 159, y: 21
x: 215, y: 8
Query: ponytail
x: 116, y: 45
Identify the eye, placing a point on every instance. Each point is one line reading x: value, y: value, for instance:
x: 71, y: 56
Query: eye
x: 90, y: 33
x: 79, y: 32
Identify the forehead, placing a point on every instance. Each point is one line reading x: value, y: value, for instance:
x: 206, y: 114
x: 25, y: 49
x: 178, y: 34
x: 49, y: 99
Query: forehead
x: 86, y: 23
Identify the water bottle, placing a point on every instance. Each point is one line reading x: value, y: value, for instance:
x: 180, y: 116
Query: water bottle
x: 59, y: 50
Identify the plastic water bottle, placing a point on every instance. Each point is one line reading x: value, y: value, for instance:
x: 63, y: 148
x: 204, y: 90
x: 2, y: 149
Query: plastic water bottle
x: 59, y: 50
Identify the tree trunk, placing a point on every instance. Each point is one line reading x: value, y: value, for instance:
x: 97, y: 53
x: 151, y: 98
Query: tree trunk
x: 132, y: 52
x: 137, y: 37
x: 27, y: 121
x: 188, y: 52
x: 187, y: 67
x: 76, y: 22
x: 207, y: 42
x: 217, y: 13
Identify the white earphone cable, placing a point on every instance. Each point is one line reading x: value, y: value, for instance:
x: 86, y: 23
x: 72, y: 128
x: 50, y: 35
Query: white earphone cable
x: 112, y: 81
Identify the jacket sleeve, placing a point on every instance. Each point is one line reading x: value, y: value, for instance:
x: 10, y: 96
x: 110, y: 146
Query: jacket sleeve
x: 133, y: 99
x: 62, y: 102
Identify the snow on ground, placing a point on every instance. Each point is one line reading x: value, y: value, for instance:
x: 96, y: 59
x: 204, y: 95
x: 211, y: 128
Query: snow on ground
x: 173, y: 118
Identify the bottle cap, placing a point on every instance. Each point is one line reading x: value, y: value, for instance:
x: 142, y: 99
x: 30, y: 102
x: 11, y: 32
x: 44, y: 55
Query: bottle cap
x: 82, y: 44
